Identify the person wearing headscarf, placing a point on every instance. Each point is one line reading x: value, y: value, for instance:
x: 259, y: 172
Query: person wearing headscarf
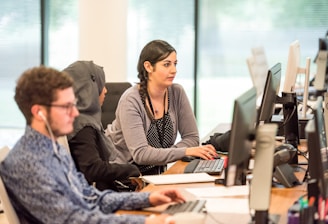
x: 92, y: 151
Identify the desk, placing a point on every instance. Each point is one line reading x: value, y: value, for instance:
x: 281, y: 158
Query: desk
x: 281, y: 198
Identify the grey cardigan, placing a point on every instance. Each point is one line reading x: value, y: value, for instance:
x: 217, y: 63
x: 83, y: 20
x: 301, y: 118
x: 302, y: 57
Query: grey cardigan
x: 128, y: 130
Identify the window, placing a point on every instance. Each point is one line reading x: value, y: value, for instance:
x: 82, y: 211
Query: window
x: 227, y: 32
x: 63, y: 33
x: 172, y: 21
x: 20, y: 48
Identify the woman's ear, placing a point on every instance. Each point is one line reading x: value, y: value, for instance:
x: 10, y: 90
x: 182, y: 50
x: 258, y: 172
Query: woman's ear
x: 148, y: 66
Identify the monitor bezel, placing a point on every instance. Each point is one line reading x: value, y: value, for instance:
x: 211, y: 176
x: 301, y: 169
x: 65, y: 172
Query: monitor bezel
x: 270, y: 94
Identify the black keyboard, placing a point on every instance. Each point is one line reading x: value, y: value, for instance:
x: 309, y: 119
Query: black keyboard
x: 188, y: 206
x: 213, y: 167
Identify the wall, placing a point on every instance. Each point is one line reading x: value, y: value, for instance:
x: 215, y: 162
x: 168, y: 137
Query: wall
x: 102, y: 26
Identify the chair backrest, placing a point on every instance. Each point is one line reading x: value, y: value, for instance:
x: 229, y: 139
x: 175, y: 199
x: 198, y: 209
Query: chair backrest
x: 114, y: 92
x: 7, y: 206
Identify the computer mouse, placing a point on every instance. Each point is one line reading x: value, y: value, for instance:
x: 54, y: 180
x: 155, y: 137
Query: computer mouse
x: 188, y: 158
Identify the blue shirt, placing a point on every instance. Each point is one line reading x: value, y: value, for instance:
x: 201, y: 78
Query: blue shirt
x: 45, y: 187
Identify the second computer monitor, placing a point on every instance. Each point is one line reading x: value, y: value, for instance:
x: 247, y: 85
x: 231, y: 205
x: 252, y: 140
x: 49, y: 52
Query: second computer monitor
x: 322, y: 63
x: 270, y: 93
x: 318, y: 154
x: 241, y: 136
x: 292, y: 67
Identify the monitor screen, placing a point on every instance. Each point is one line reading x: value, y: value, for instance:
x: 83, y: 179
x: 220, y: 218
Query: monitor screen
x: 292, y: 67
x: 241, y: 136
x: 271, y: 91
x: 317, y: 148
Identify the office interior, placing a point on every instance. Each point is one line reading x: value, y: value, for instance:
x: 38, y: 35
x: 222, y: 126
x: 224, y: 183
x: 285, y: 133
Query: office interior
x: 213, y: 40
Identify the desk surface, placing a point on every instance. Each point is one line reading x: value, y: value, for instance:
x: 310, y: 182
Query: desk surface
x: 281, y: 198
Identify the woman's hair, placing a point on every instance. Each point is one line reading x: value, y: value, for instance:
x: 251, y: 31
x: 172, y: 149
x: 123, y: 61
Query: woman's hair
x: 39, y: 85
x: 153, y: 52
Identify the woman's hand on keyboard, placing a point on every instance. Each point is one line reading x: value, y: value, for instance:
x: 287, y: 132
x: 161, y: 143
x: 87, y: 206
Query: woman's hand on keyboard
x: 165, y: 196
x: 206, y: 152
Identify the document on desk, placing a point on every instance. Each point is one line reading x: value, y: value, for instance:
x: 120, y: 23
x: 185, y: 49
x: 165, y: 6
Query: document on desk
x: 227, y: 205
x: 178, y: 178
x: 219, y: 191
x: 223, y: 200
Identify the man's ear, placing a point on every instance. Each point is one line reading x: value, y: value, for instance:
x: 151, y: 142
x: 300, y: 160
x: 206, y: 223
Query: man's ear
x: 36, y: 110
x: 148, y: 66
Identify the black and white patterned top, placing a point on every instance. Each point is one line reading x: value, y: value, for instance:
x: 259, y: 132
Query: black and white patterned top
x: 160, y: 132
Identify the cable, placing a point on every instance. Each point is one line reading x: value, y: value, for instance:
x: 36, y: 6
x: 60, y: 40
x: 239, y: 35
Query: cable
x: 69, y: 174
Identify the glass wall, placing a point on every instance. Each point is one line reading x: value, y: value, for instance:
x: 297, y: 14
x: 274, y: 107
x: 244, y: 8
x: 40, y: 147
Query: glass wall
x: 20, y: 48
x: 226, y: 33
x: 172, y: 21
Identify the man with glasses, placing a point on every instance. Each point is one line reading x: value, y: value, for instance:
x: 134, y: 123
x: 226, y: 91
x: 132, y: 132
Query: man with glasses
x: 40, y: 177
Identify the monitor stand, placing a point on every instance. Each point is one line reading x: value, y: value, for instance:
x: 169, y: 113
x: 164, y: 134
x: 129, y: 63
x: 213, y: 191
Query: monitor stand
x: 260, y: 186
x: 291, y: 123
x: 263, y: 217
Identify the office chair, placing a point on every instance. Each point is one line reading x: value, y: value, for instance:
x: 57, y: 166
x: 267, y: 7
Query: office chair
x: 7, y: 206
x: 114, y: 92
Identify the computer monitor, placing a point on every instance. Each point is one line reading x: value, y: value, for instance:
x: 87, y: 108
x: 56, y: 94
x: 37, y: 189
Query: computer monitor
x: 322, y: 62
x: 292, y: 67
x: 318, y: 154
x: 258, y: 68
x: 260, y: 186
x: 291, y: 116
x: 292, y: 70
x: 270, y: 93
x: 241, y: 136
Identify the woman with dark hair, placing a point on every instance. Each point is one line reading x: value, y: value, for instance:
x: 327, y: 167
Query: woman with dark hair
x: 151, y: 114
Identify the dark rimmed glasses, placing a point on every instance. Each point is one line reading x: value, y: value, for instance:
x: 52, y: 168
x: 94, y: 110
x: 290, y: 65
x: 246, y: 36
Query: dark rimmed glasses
x: 68, y: 106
